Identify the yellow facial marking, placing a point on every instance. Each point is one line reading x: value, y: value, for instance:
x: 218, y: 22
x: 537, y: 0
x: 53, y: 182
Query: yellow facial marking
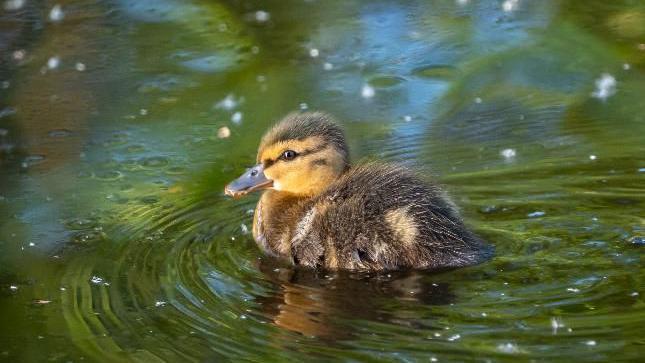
x: 403, y: 225
x: 315, y: 167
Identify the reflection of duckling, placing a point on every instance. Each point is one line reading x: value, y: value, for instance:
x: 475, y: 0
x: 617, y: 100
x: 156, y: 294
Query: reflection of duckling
x: 319, y: 211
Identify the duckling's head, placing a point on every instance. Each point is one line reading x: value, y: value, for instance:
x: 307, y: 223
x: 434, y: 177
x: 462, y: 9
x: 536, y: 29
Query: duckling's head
x: 302, y: 155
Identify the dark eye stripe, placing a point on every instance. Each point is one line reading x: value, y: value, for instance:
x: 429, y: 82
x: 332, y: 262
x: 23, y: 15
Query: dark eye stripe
x: 269, y: 162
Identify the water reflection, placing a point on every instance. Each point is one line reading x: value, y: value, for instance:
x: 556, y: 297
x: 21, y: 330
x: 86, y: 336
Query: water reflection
x: 324, y: 303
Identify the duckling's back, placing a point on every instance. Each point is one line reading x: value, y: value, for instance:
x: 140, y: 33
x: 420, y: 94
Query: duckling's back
x: 382, y: 217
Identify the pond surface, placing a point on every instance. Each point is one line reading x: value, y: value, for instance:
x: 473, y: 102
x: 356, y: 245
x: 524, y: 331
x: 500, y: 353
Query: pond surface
x: 121, y: 121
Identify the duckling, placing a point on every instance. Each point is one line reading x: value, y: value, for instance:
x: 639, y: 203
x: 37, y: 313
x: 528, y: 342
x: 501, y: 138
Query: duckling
x: 318, y: 210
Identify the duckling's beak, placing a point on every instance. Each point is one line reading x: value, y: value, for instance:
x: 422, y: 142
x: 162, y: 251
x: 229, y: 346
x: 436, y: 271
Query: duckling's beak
x: 252, y: 179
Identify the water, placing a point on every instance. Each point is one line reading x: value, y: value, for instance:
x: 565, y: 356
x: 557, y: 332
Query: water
x: 117, y: 243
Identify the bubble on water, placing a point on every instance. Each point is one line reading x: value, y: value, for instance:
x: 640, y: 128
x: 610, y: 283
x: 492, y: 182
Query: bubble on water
x: 223, y: 132
x: 314, y: 53
x: 626, y: 66
x: 510, y: 5
x: 80, y: 67
x: 5, y: 84
x: 573, y: 289
x: 508, y: 153
x: 244, y: 228
x: 635, y: 293
x: 641, y: 170
x: 478, y: 100
x: 605, y: 87
x: 592, y: 157
x: 261, y: 78
x: 31, y: 244
x: 461, y: 2
x: 590, y: 343
x: 19, y: 54
x: 4, y: 132
x: 367, y: 91
x: 228, y: 103
x: 303, y: 106
x: 41, y: 302
x: 536, y: 214
x: 154, y: 162
x: 160, y: 303
x: 328, y: 66
x: 433, y: 359
x: 556, y: 324
x: 454, y: 337
x: 236, y: 118
x: 508, y: 348
x: 56, y: 14
x: 262, y: 16
x: 96, y: 280
x: 53, y: 62
x: 255, y: 49
x: 13, y: 287
x: 407, y: 118
x: 13, y: 5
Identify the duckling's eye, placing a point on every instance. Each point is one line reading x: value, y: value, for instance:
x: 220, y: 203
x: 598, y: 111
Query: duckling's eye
x: 288, y: 155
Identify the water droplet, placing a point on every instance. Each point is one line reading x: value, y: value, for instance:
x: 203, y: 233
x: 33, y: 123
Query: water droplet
x: 13, y: 5
x: 510, y: 5
x: 605, y: 87
x: 53, y: 62
x: 236, y: 118
x: 56, y: 14
x: 508, y: 153
x: 367, y: 91
x: 96, y: 280
x: 536, y: 214
x: 223, y: 132
x: 262, y: 16
x: 508, y: 348
x: 228, y: 103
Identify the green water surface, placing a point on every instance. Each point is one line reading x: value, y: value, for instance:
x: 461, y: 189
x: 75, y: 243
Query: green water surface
x: 117, y: 243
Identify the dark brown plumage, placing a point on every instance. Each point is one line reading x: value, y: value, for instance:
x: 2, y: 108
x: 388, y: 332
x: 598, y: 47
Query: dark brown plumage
x: 321, y: 212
